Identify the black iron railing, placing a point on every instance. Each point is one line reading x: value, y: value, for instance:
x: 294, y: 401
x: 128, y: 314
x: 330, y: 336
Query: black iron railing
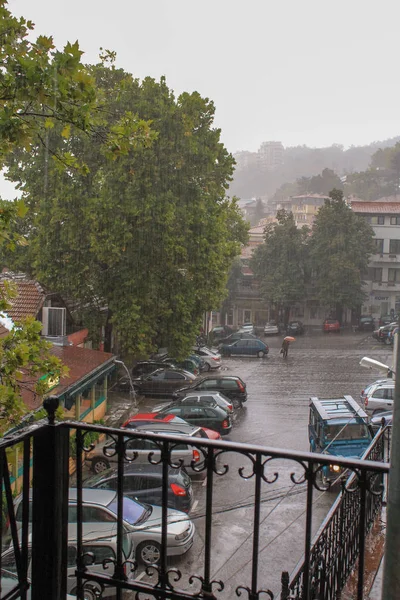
x: 340, y: 541
x: 41, y: 520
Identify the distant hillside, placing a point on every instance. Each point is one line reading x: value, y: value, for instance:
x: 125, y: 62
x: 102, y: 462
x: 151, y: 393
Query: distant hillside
x: 253, y: 179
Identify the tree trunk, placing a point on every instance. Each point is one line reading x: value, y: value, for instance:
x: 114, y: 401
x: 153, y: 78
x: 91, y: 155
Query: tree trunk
x: 339, y: 312
x: 108, y: 333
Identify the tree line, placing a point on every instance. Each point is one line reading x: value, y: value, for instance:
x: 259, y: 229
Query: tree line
x: 324, y: 265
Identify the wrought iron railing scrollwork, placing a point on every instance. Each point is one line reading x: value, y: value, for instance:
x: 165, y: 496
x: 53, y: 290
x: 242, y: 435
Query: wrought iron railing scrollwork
x: 340, y: 541
x: 328, y: 559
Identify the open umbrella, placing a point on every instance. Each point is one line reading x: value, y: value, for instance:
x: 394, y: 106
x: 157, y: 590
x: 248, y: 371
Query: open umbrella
x: 289, y: 338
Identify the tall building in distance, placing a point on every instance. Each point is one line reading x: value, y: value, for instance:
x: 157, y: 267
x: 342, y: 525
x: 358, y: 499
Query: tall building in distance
x: 270, y: 155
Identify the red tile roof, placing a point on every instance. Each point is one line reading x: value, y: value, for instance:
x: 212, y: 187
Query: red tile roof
x: 82, y: 363
x: 3, y: 331
x: 378, y: 207
x: 29, y: 300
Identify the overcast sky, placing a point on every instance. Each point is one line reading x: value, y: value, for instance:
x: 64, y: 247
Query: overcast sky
x: 312, y: 72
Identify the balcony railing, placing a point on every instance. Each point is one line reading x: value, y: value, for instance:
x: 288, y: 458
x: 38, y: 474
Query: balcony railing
x: 41, y: 521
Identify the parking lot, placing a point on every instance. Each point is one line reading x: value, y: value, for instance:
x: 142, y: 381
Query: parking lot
x: 276, y: 415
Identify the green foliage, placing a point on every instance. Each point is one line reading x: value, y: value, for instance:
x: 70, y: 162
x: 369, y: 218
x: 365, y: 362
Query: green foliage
x: 320, y: 184
x: 42, y: 87
x: 91, y: 437
x: 151, y: 234
x: 280, y: 263
x: 340, y: 247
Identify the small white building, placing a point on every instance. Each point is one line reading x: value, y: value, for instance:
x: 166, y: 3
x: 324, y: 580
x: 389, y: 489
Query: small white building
x: 383, y: 277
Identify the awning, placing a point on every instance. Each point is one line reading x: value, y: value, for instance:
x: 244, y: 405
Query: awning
x: 81, y: 386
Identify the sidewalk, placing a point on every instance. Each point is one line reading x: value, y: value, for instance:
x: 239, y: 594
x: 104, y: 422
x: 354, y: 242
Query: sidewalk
x: 376, y: 591
x: 119, y: 408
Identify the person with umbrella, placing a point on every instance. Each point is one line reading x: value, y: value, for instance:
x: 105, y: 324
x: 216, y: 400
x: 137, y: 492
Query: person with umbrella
x: 285, y: 345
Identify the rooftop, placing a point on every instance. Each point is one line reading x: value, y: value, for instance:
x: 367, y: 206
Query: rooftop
x: 377, y: 207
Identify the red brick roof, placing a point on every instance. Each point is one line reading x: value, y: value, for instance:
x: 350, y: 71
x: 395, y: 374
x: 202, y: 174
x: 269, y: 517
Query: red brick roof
x: 378, y: 207
x: 29, y: 300
x: 82, y: 363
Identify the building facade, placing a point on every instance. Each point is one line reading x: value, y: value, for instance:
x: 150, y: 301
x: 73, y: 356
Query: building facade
x: 383, y: 277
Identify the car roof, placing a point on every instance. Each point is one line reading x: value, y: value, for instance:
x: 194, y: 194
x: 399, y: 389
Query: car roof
x: 176, y: 370
x: 102, y: 497
x: 135, y: 469
x: 171, y: 428
x: 216, y: 376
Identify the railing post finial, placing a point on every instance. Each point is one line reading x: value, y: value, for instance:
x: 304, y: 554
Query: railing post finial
x: 50, y: 404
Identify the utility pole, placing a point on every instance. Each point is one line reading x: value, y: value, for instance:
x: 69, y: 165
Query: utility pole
x: 391, y: 571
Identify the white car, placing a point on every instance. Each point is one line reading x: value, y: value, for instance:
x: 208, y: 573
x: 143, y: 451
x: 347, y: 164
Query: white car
x: 378, y: 396
x: 247, y: 328
x: 211, y: 358
x: 271, y: 329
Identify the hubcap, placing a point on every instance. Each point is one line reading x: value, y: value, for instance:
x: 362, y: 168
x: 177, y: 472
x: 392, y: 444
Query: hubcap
x: 150, y: 554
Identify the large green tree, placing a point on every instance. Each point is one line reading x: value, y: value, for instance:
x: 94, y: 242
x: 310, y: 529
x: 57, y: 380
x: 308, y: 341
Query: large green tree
x: 340, y: 247
x: 280, y: 263
x: 151, y: 234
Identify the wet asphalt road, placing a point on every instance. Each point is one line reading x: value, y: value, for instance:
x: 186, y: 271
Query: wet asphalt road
x: 275, y: 415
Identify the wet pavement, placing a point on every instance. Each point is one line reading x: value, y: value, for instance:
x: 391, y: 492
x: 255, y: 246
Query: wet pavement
x: 276, y: 415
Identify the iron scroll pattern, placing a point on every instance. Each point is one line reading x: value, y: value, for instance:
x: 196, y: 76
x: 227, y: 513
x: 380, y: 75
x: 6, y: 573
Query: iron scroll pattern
x: 261, y: 466
x: 336, y: 547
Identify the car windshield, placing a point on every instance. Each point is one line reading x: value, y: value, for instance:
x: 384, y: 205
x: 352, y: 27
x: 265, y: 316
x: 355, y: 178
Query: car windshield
x: 349, y: 431
x: 134, y: 512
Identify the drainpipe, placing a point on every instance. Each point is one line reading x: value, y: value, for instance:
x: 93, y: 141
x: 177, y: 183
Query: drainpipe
x: 391, y: 571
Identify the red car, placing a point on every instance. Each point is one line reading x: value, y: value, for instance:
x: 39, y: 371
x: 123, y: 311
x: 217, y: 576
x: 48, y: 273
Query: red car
x: 148, y: 418
x: 331, y: 325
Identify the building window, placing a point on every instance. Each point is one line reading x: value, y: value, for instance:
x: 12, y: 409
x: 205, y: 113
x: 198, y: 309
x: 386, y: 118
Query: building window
x: 375, y: 274
x: 379, y: 246
x: 395, y: 220
x: 394, y: 276
x: 376, y: 220
x: 394, y: 247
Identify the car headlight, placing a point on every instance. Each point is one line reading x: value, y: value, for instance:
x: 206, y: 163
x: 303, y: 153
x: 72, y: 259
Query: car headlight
x: 181, y: 536
x: 335, y: 468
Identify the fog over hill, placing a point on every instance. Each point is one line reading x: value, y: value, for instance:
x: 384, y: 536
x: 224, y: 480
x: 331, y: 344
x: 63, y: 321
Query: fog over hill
x: 254, y: 177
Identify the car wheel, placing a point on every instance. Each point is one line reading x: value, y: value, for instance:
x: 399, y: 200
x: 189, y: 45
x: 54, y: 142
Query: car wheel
x: 207, y: 367
x: 260, y: 354
x: 99, y: 465
x: 149, y: 553
x: 90, y: 592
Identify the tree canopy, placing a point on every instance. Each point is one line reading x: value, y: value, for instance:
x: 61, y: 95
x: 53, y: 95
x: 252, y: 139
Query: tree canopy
x: 280, y: 263
x: 151, y: 234
x: 340, y: 246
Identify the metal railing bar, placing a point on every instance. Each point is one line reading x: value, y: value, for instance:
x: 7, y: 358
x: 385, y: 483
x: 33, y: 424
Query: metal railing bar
x: 25, y: 511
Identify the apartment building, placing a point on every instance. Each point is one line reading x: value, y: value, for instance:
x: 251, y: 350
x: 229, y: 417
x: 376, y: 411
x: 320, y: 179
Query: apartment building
x: 383, y: 276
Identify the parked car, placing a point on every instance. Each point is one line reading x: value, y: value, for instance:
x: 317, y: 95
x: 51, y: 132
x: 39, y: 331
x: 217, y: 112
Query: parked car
x: 102, y: 545
x: 212, y: 359
x: 144, y: 483
x: 378, y: 397
x: 145, y: 367
x: 386, y: 320
x: 331, y: 325
x: 151, y: 419
x: 271, y: 328
x: 230, y: 385
x: 104, y: 455
x: 366, y: 323
x: 376, y: 421
x: 248, y: 328
x: 163, y: 382
x: 188, y: 364
x: 295, y: 328
x: 201, y: 415
x: 199, y: 360
x: 245, y: 348
x: 384, y: 334
x: 141, y: 521
x: 239, y: 335
x: 207, y: 398
x: 220, y: 331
